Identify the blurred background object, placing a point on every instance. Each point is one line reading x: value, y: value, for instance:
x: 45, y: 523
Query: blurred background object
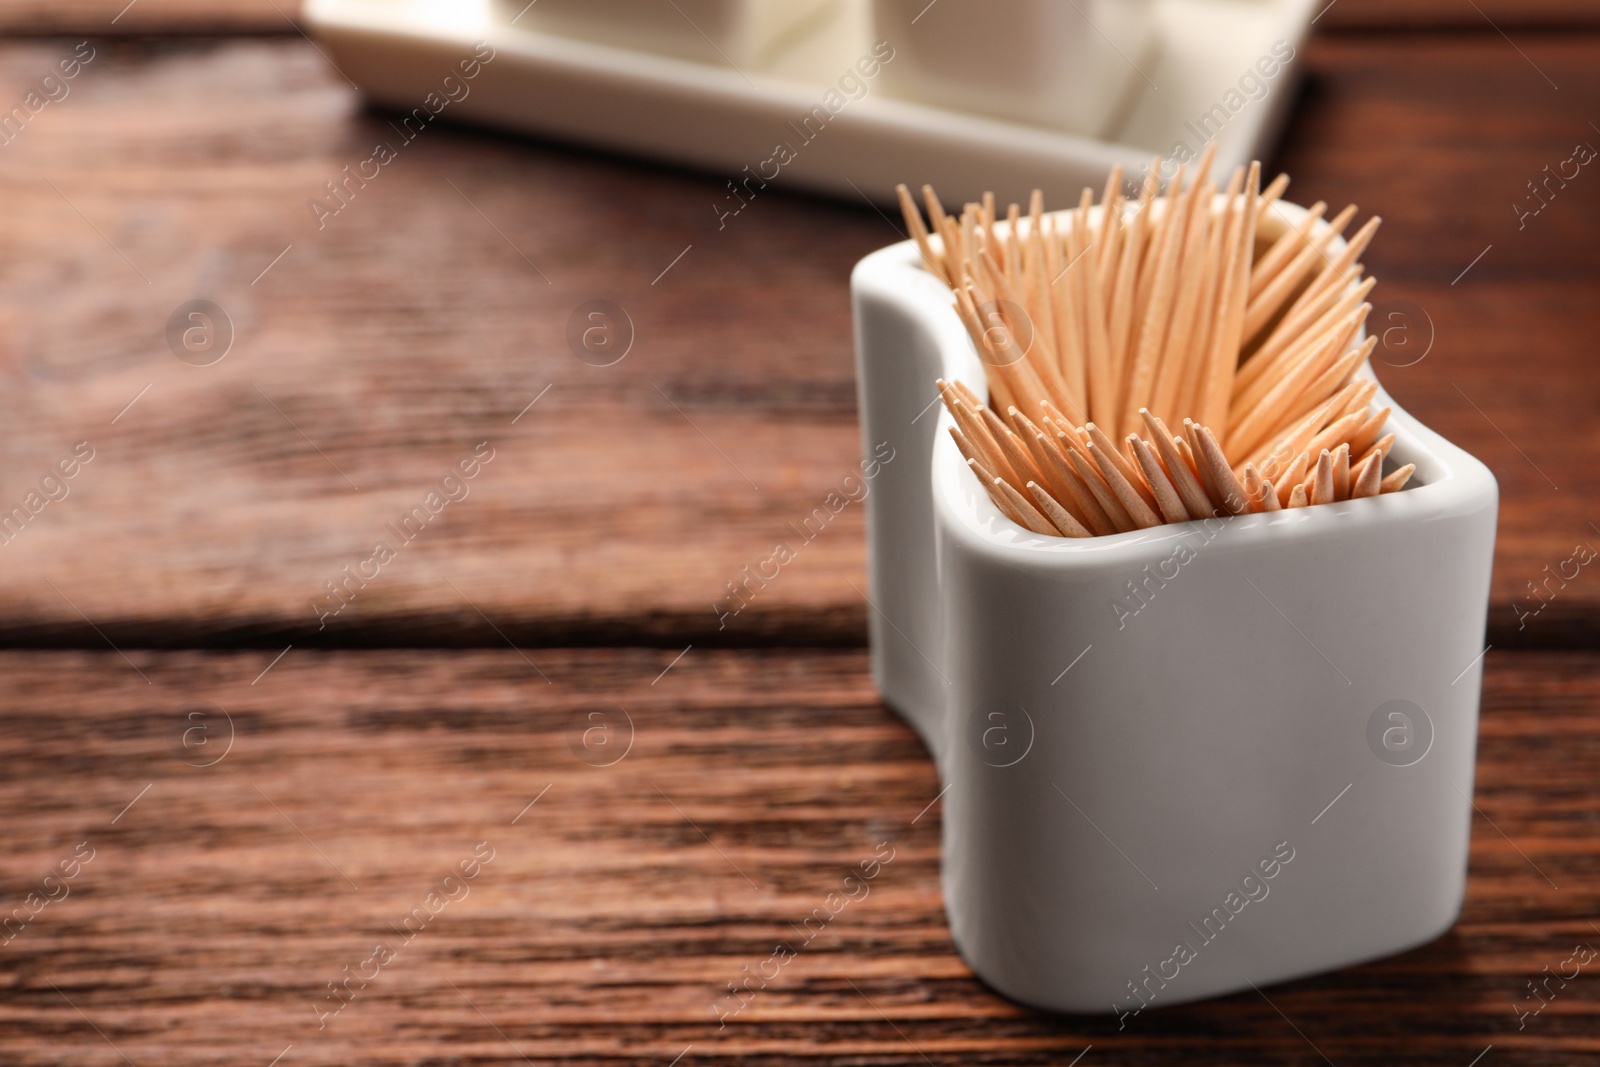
x: 1062, y: 66
x: 971, y: 97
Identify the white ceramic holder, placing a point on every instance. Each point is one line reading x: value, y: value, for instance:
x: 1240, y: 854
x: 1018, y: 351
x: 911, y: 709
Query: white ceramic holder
x: 1183, y: 760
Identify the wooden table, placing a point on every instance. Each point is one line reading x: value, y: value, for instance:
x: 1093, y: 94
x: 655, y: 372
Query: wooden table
x: 539, y: 675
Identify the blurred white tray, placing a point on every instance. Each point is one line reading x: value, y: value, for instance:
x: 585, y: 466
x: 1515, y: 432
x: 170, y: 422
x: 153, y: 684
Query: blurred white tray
x: 721, y: 119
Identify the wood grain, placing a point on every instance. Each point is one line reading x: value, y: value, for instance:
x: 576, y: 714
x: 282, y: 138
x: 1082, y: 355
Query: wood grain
x: 1487, y: 16
x: 101, y: 17
x: 216, y: 908
x: 419, y: 321
x: 120, y: 17
x: 381, y: 349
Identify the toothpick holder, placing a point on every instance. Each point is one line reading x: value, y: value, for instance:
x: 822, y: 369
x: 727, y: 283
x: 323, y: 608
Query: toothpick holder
x: 1183, y: 760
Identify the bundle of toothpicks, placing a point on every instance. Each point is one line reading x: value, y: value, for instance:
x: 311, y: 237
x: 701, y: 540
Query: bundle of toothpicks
x: 1099, y: 332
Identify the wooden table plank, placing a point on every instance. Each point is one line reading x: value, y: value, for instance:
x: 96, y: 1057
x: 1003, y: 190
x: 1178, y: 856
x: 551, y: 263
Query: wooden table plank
x: 140, y: 17
x: 41, y: 17
x: 407, y: 331
x: 1490, y: 16
x: 418, y: 322
x: 215, y: 908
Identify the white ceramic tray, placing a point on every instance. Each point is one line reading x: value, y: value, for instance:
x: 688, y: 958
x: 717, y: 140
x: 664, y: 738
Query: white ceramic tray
x: 724, y: 119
